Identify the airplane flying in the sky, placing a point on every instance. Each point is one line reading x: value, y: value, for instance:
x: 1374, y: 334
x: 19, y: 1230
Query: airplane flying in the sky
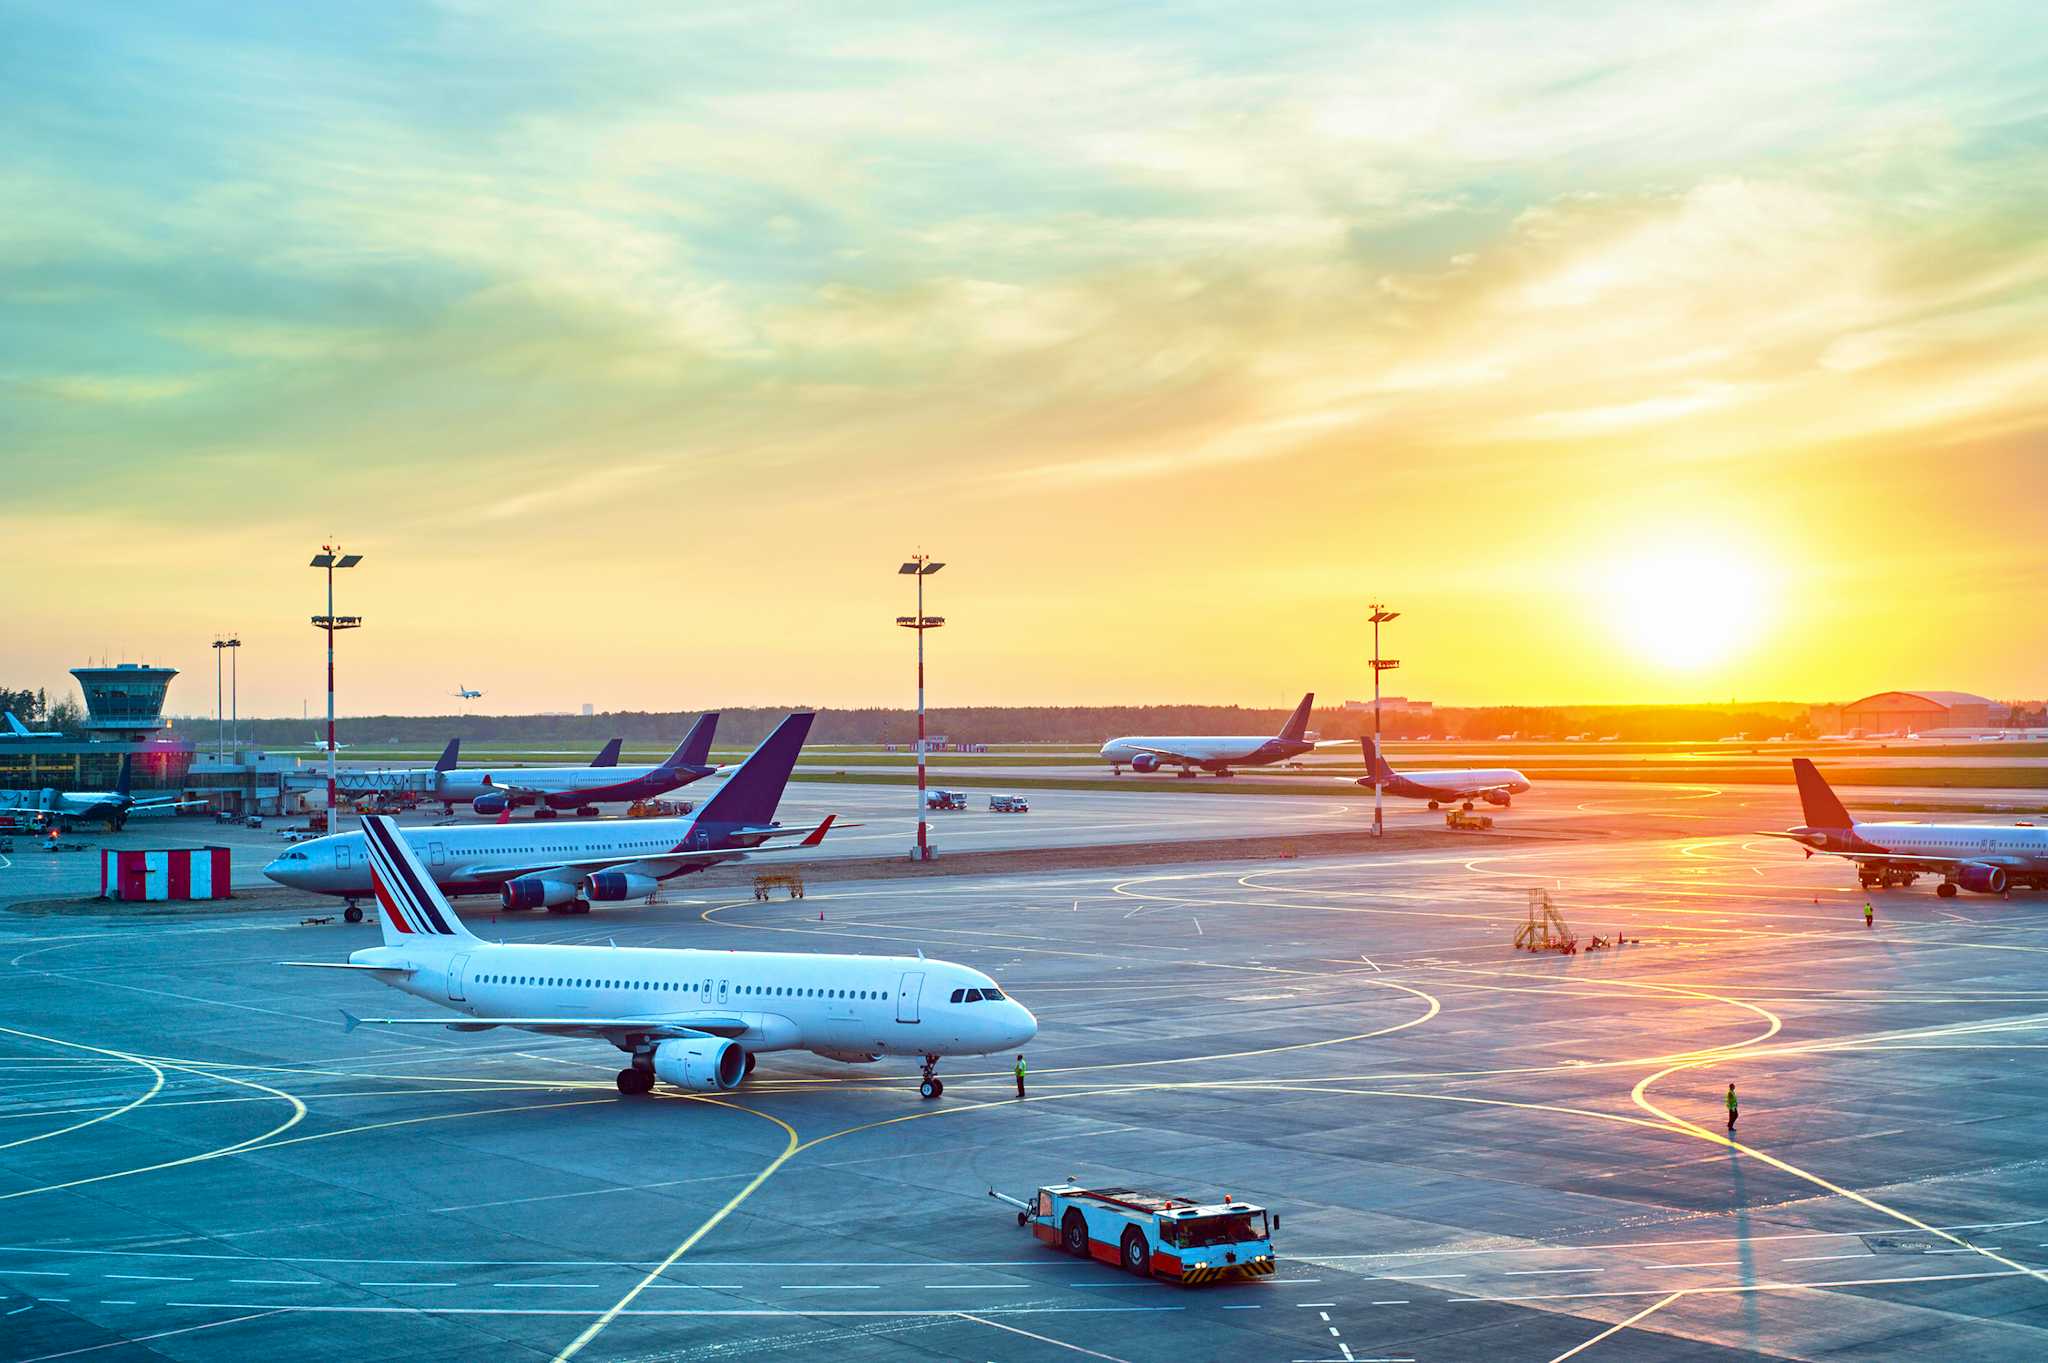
x: 1190, y: 753
x: 462, y: 692
x: 63, y: 808
x: 694, y: 1019
x: 1495, y: 785
x: 1983, y: 858
x: 495, y: 790
x: 563, y: 867
x: 16, y: 729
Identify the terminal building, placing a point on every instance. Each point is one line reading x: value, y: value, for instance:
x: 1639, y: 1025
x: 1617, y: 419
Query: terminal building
x: 124, y: 717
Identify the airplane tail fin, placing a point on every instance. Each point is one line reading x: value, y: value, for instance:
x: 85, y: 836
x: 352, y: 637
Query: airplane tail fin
x: 750, y: 794
x: 696, y: 745
x: 1297, y: 723
x: 447, y: 758
x: 1375, y: 761
x: 412, y: 905
x: 1817, y: 800
x: 122, y: 782
x: 610, y: 756
x: 15, y: 726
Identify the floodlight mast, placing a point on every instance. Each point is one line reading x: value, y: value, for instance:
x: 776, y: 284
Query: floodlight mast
x: 1380, y: 616
x: 220, y: 732
x: 330, y: 558
x: 920, y: 566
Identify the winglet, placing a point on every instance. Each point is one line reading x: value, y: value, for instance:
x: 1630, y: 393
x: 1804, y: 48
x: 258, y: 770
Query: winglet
x: 349, y: 1021
x: 817, y: 835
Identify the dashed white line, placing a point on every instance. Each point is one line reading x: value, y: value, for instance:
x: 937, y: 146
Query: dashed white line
x: 442, y: 1284
x: 1718, y: 1263
x: 35, y: 1272
x: 1823, y: 1258
x: 289, y: 1282
x: 1394, y: 1301
x: 1545, y: 1272
x: 146, y: 1278
x: 831, y: 1287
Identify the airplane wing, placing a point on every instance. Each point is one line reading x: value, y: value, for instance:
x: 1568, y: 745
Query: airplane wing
x: 1167, y: 754
x: 164, y: 804
x: 669, y: 1028
x: 661, y: 863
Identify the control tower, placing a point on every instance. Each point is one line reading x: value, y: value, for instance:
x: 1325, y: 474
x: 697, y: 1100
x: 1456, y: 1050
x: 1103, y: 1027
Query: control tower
x: 125, y: 701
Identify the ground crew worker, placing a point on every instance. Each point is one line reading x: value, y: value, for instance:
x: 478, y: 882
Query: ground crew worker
x: 1868, y: 913
x: 1020, y: 1068
x: 1731, y: 1107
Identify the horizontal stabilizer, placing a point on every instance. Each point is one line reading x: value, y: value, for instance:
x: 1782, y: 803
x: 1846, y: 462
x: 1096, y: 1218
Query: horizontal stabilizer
x: 347, y: 965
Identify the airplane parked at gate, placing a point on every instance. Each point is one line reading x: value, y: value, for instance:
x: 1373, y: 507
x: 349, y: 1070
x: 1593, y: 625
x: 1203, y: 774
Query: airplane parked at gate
x: 564, y: 867
x: 61, y: 809
x: 1495, y: 785
x: 497, y: 790
x: 694, y: 1019
x: 16, y: 729
x: 1219, y: 755
x: 1978, y: 857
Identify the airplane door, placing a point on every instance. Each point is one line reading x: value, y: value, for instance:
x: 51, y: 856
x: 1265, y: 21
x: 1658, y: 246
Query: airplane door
x: 341, y: 858
x: 456, y: 969
x: 437, y: 855
x: 906, y: 996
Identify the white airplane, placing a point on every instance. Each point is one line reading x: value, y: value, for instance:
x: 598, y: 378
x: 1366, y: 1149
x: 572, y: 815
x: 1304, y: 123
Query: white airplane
x: 319, y: 744
x: 1495, y: 785
x: 1190, y: 753
x: 16, y: 729
x: 63, y: 808
x: 565, y: 867
x: 553, y: 789
x: 462, y: 692
x: 1980, y: 858
x: 694, y: 1019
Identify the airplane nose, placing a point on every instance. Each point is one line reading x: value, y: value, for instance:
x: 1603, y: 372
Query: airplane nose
x: 278, y: 872
x: 1023, y: 1025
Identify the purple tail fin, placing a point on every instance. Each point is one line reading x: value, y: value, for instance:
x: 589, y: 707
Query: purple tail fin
x: 1297, y: 723
x: 1817, y: 800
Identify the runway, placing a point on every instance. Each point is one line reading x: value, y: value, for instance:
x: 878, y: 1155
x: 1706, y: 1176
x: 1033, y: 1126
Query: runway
x: 1476, y: 1153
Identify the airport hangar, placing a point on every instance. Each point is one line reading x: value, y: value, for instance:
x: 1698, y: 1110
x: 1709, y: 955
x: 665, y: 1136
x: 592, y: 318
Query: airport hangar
x: 1911, y: 712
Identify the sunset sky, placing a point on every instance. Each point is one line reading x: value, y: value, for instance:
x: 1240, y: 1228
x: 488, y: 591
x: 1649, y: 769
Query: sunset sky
x: 1635, y: 352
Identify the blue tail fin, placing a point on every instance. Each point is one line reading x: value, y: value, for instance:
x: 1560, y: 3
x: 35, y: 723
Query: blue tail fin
x: 749, y: 795
x: 696, y: 745
x: 1297, y: 723
x: 16, y: 725
x: 127, y: 772
x: 610, y: 756
x: 447, y: 759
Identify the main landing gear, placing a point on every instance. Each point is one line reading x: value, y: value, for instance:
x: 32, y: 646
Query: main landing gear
x: 353, y: 913
x: 634, y: 1081
x: 932, y: 1086
x: 544, y: 812
x: 1947, y: 889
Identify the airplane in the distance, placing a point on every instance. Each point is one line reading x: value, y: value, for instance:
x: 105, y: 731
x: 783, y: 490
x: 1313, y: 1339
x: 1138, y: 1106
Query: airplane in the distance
x: 462, y: 692
x: 319, y: 744
x: 694, y: 1019
x: 498, y: 790
x: 16, y: 729
x: 1191, y: 753
x: 63, y: 808
x: 563, y: 868
x: 1495, y: 785
x: 1983, y: 858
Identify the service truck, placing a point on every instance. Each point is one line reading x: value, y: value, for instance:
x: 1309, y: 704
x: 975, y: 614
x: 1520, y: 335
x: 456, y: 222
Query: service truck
x: 1151, y: 1234
x: 945, y: 799
x: 1008, y: 804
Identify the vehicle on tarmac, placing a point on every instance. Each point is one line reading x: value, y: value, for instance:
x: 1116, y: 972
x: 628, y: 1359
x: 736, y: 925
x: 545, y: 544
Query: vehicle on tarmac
x: 945, y: 799
x: 692, y: 1018
x: 1981, y: 858
x: 1008, y: 804
x: 1152, y: 1234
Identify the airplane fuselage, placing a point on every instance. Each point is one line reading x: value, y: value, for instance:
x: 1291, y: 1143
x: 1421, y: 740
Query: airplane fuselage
x: 2018, y: 851
x: 564, y: 787
x: 846, y: 1007
x: 1476, y: 783
x: 1210, y: 754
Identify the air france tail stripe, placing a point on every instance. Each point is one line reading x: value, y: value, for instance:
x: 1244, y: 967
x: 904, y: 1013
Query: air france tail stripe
x: 419, y: 901
x: 400, y: 880
x: 390, y: 892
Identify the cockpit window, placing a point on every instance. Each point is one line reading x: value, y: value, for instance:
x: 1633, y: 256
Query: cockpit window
x: 974, y: 996
x: 991, y: 992
x: 957, y: 994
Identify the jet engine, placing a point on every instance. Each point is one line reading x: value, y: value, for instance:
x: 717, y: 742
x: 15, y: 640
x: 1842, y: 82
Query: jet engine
x: 704, y: 1065
x: 1145, y: 761
x: 536, y: 892
x: 492, y: 803
x: 612, y: 886
x: 1496, y: 797
x: 1980, y: 879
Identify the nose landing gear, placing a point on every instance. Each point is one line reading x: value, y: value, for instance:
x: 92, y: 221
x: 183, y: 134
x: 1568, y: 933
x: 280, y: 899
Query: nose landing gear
x: 932, y: 1086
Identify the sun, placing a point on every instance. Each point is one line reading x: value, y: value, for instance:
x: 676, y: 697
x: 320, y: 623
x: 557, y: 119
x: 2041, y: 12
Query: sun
x: 1688, y: 606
